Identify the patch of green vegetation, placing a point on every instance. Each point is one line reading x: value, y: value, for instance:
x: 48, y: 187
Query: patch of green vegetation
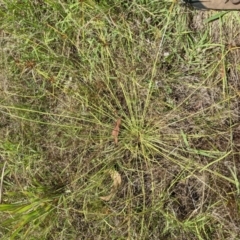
x: 118, y: 121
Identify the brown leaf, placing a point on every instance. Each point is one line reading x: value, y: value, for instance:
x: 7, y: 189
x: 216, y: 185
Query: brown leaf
x: 117, y: 180
x: 107, y: 198
x: 116, y: 177
x: 116, y: 130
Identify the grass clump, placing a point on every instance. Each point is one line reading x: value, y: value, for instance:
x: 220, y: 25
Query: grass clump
x: 118, y: 121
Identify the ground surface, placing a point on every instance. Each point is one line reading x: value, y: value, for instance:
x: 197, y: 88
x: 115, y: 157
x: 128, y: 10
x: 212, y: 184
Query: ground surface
x: 119, y: 121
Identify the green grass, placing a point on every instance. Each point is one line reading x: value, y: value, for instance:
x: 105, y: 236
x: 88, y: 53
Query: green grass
x: 69, y: 71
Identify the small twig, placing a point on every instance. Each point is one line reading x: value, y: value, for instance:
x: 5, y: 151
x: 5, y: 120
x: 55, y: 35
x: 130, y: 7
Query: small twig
x: 1, y: 182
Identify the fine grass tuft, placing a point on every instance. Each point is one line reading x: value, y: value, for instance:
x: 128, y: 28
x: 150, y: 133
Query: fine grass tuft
x: 118, y: 121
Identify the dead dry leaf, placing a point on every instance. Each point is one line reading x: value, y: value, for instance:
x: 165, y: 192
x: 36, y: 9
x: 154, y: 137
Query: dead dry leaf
x: 116, y: 177
x: 107, y: 198
x: 116, y: 130
x: 117, y: 180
